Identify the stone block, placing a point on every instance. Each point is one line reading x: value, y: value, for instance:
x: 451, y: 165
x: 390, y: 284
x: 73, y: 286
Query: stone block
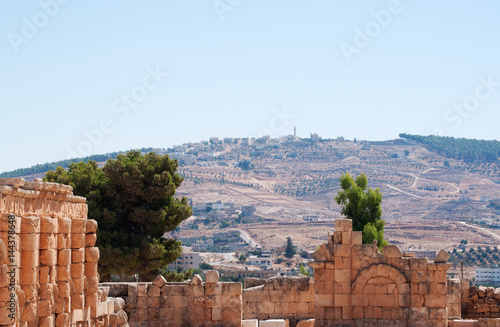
x: 30, y: 225
x: 92, y: 254
x: 62, y: 320
x: 48, y: 225
x: 342, y: 250
x: 30, y: 242
x: 64, y: 225
x: 391, y: 251
x: 46, y: 321
x: 343, y: 225
x: 273, y: 323
x: 64, y: 257
x: 78, y: 226
x: 77, y: 270
x: 62, y: 241
x: 78, y: 241
x: 29, y: 259
x: 250, y: 323
x: 91, y: 226
x: 357, y: 237
x: 63, y: 273
x: 159, y: 282
x: 27, y: 276
x: 78, y: 255
x: 306, y: 323
x: 212, y: 276
x: 442, y: 257
x: 48, y: 241
x: 90, y: 239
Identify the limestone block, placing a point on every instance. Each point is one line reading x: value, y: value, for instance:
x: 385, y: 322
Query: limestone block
x: 92, y: 284
x: 357, y: 237
x: 343, y: 225
x: 142, y: 289
x: 216, y: 314
x: 119, y: 304
x: 77, y: 301
x: 30, y: 293
x: 64, y: 257
x: 442, y: 257
x: 46, y: 321
x: 92, y: 254
x: 159, y: 282
x: 391, y: 251
x: 306, y: 323
x: 346, y: 237
x: 323, y: 253
x: 335, y: 238
x: 90, y: 239
x: 77, y: 241
x: 29, y: 313
x: 92, y: 299
x: 64, y: 289
x: 48, y: 241
x: 63, y: 273
x: 48, y: 257
x: 77, y: 270
x: 48, y: 225
x: 153, y: 290
x: 29, y: 259
x: 46, y: 291
x: 78, y: 255
x: 251, y: 323
x: 342, y: 250
x: 62, y: 320
x: 91, y: 226
x: 78, y: 285
x: 78, y: 226
x: 30, y: 242
x: 30, y: 225
x: 273, y: 322
x: 64, y: 225
x: 62, y: 241
x: 196, y: 280
x: 27, y: 276
x: 212, y: 276
x: 44, y: 308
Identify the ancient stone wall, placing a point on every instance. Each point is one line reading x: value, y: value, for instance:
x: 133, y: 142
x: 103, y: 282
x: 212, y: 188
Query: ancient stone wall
x: 355, y: 283
x: 48, y: 272
x: 192, y: 303
x: 289, y: 298
x: 483, y: 302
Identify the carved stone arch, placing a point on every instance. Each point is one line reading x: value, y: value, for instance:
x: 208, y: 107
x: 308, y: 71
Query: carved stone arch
x: 381, y: 291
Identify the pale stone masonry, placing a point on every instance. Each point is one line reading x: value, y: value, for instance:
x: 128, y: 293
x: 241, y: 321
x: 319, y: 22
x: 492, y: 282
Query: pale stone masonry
x: 48, y: 275
x: 49, y: 278
x: 357, y: 285
x: 193, y: 303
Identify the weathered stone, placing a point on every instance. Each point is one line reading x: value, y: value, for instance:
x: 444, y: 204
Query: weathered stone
x: 442, y: 257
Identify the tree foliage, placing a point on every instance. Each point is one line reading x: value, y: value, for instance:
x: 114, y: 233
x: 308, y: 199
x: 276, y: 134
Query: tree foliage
x: 289, y: 250
x: 133, y: 200
x: 459, y: 148
x: 363, y: 206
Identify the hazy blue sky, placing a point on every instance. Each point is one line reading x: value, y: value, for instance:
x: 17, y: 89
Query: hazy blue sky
x: 364, y: 69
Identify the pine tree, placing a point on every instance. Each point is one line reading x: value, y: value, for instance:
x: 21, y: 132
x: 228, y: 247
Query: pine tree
x: 133, y: 200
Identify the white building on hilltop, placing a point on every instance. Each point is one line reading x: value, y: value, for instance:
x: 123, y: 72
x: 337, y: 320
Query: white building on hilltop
x: 188, y: 259
x: 490, y: 276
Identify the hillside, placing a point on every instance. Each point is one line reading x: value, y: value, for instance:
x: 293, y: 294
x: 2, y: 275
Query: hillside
x: 286, y: 179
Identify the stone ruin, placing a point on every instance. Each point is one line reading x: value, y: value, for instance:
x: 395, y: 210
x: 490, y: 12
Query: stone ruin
x: 48, y: 277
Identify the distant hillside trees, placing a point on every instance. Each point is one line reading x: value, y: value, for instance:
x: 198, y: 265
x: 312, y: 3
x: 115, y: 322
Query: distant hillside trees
x: 459, y: 148
x: 133, y: 199
x: 43, y: 168
x: 363, y: 206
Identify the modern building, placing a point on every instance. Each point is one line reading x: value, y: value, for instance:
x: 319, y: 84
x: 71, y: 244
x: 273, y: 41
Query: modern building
x: 424, y: 253
x: 490, y: 276
x: 202, y: 245
x: 188, y: 259
x: 258, y: 261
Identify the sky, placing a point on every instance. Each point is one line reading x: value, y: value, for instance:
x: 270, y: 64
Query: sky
x: 88, y: 77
